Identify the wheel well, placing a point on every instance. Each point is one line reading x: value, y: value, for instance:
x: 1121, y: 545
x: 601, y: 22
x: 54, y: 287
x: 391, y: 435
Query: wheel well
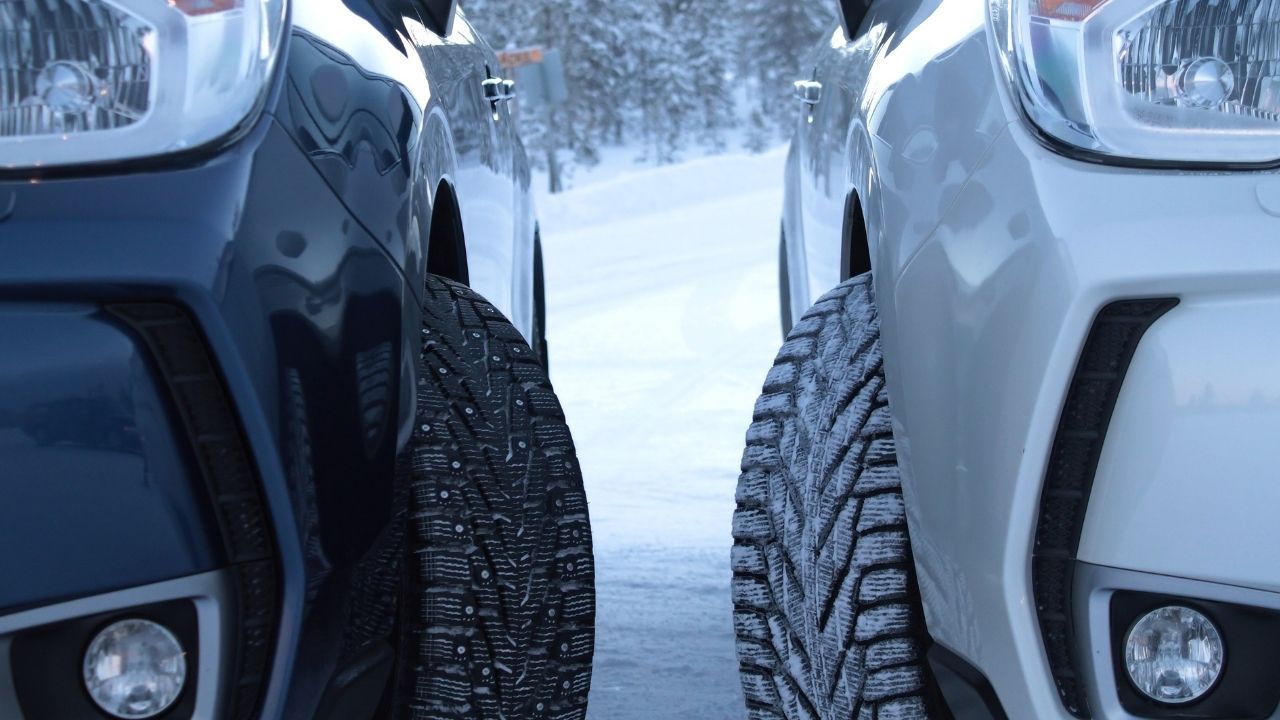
x: 539, y: 281
x: 446, y: 245
x: 856, y: 251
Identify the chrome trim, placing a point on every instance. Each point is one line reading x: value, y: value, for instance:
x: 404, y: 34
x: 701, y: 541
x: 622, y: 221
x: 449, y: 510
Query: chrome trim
x: 808, y: 92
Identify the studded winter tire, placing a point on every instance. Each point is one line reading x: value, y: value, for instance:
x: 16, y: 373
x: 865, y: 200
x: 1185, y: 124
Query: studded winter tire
x: 826, y: 609
x: 497, y: 608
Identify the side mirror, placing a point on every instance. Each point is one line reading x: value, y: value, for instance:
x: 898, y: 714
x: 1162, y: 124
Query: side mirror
x: 853, y: 12
x: 438, y: 15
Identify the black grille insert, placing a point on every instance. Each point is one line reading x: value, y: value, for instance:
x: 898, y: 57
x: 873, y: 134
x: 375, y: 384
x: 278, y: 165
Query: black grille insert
x: 1073, y: 462
x: 230, y: 477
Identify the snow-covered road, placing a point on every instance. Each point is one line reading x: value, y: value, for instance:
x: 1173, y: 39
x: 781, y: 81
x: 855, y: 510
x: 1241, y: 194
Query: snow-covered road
x: 663, y: 320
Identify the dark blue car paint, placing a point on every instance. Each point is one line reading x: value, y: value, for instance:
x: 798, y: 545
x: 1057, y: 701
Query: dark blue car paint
x: 299, y: 250
x: 86, y: 429
x: 360, y: 132
x: 272, y: 268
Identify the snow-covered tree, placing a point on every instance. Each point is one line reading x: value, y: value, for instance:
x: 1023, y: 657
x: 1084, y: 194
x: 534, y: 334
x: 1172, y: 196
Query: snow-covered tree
x: 601, y: 72
x: 665, y: 75
x: 588, y: 35
x: 776, y: 41
x: 666, y: 87
x: 708, y: 33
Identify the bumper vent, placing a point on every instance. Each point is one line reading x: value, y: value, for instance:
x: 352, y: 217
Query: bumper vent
x: 220, y: 451
x: 1073, y: 462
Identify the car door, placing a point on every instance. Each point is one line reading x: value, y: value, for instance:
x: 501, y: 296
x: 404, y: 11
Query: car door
x: 458, y: 66
x: 824, y: 173
x: 515, y: 179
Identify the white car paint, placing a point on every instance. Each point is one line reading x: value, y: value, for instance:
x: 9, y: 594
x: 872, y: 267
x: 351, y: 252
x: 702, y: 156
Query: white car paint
x: 992, y: 255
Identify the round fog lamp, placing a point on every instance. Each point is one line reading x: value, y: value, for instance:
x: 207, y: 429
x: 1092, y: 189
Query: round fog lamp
x: 135, y: 669
x: 1174, y: 655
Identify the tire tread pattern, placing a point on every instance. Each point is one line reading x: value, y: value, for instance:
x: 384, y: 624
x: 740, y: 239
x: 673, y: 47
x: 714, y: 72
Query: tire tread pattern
x: 499, y: 600
x: 826, y: 608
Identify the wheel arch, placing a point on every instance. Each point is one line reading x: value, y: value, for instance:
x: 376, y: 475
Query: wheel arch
x: 792, y: 237
x: 855, y: 246
x: 858, y: 237
x: 446, y: 239
x: 539, y: 339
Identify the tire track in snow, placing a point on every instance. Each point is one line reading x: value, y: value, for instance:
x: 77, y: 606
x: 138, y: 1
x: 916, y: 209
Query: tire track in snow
x: 662, y: 326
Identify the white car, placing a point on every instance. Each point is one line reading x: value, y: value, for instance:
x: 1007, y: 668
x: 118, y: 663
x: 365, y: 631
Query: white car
x: 1023, y: 460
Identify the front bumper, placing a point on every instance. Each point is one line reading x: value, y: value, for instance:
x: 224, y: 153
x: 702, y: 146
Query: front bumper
x: 120, y: 299
x: 99, y: 487
x: 989, y: 319
x: 291, y: 299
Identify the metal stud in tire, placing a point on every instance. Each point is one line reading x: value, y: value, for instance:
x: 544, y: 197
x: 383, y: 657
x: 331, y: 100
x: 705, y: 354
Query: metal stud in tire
x: 497, y: 612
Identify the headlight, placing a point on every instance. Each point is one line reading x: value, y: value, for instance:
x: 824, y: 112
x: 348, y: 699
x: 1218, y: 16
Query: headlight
x: 1153, y: 80
x: 84, y: 81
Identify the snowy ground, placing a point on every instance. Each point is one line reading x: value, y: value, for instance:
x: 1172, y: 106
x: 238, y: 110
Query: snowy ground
x: 663, y: 319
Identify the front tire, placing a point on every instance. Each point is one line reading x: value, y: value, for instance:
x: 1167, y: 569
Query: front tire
x: 826, y: 609
x: 497, y: 608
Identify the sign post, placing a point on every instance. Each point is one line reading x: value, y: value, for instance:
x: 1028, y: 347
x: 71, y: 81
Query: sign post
x: 539, y: 75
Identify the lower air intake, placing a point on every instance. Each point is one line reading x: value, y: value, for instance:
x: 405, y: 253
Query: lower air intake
x: 231, y: 479
x: 1073, y: 462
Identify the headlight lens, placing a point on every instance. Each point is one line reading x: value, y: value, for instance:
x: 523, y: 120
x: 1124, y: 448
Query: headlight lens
x: 1174, y: 655
x: 84, y: 81
x: 135, y: 669
x: 1155, y: 80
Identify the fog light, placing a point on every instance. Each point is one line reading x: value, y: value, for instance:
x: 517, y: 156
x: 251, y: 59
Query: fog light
x: 1174, y: 655
x: 135, y: 669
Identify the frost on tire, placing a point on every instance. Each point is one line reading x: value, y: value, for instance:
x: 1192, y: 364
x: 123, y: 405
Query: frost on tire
x: 498, y: 605
x: 826, y: 609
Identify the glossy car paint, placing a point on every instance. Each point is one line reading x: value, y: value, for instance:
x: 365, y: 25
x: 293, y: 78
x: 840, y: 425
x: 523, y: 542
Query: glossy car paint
x: 86, y: 427
x: 1200, y: 417
x: 299, y: 250
x: 385, y: 135
x: 992, y: 254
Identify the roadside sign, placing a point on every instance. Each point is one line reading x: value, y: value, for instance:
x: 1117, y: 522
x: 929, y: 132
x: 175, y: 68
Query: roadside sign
x: 539, y: 75
x: 542, y: 84
x: 519, y: 57
x: 553, y: 74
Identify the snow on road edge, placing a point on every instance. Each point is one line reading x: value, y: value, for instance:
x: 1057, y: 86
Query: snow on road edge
x: 663, y: 320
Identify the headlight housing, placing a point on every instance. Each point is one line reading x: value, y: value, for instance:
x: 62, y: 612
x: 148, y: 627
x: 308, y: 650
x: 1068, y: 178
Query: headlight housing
x: 1151, y: 80
x: 92, y: 81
